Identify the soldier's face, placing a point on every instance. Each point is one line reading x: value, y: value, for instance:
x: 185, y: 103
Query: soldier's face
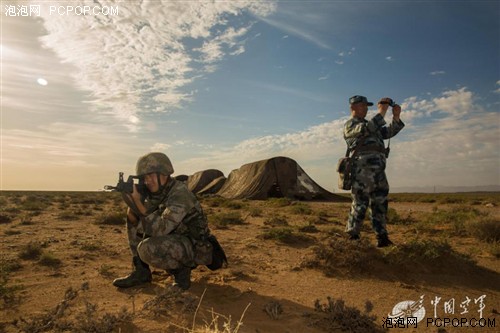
x: 151, y: 181
x: 359, y: 110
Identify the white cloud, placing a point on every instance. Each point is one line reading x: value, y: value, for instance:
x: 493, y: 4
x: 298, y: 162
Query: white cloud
x: 325, y: 77
x: 498, y: 89
x: 146, y: 45
x: 389, y: 58
x: 454, y: 144
x: 162, y: 147
x: 437, y: 73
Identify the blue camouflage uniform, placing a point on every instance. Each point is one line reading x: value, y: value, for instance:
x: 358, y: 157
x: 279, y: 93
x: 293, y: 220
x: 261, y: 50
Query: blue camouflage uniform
x: 370, y: 187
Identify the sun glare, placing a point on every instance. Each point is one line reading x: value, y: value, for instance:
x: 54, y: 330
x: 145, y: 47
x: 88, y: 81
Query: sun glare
x: 42, y: 81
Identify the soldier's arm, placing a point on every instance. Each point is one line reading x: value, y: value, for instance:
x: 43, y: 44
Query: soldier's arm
x: 167, y: 218
x: 394, y: 128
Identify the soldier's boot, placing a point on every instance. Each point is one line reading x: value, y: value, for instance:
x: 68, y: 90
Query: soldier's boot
x: 140, y: 275
x: 383, y: 240
x: 182, y: 277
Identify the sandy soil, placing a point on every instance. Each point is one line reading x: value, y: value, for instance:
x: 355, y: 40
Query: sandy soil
x: 262, y: 273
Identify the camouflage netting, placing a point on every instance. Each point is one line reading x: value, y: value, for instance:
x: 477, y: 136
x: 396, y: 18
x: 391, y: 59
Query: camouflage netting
x: 201, y: 179
x: 274, y: 177
x: 214, y: 186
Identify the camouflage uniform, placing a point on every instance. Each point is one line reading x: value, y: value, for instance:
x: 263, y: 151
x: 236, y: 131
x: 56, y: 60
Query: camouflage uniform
x: 174, y: 233
x: 370, y: 186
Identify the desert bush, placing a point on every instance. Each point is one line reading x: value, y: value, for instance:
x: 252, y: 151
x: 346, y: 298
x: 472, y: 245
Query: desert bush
x: 3, y: 201
x: 106, y: 270
x: 50, y: 260
x: 12, y: 209
x: 309, y: 228
x: 463, y: 214
x: 233, y: 204
x: 67, y: 216
x: 33, y: 206
x: 276, y: 220
x: 394, y: 218
x: 301, y: 209
x: 112, y: 218
x: 7, y: 292
x: 342, y: 256
x: 31, y: 251
x: 4, y: 219
x: 222, y: 220
x: 494, y: 249
x: 90, y: 246
x: 485, y: 229
x: 335, y: 315
x: 322, y: 213
x: 90, y: 319
x: 285, y: 235
x: 214, y: 201
x: 274, y: 309
x: 255, y: 211
x: 26, y: 219
x: 278, y: 202
x: 434, y: 254
x: 10, y: 232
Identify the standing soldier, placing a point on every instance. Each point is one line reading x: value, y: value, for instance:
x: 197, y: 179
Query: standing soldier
x: 369, y: 186
x: 166, y: 226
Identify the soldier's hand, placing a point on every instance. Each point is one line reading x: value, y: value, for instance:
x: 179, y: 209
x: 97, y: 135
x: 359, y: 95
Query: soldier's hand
x: 133, y: 200
x: 383, y: 105
x: 396, y: 111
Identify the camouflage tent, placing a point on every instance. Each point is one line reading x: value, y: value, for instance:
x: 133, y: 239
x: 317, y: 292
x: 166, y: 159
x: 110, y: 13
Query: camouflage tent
x: 274, y: 177
x: 201, y: 179
x: 214, y: 186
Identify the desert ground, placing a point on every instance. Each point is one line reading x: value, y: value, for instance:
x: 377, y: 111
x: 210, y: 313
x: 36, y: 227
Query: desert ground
x: 291, y: 268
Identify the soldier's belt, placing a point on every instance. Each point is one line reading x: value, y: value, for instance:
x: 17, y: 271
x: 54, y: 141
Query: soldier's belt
x: 371, y: 149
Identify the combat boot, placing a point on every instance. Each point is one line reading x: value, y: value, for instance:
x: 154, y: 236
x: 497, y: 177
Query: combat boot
x: 383, y: 240
x: 140, y: 275
x: 182, y: 277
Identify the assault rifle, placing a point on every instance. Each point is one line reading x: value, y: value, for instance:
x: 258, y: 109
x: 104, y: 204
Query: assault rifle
x: 128, y: 186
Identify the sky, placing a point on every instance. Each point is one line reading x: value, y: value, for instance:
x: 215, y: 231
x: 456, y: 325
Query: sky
x: 89, y: 86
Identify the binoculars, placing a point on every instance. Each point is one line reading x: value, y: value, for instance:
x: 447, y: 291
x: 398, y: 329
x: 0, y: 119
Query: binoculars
x: 391, y: 103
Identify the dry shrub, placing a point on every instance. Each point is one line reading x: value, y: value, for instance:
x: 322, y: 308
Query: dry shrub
x: 276, y: 220
x: 278, y: 202
x: 273, y: 309
x: 5, y: 218
x: 286, y: 235
x: 485, y: 229
x: 59, y: 319
x: 342, y: 256
x: 170, y: 299
x: 223, y: 220
x: 428, y: 254
x: 31, y: 251
x: 300, y: 208
x: 8, y: 294
x: 50, y: 260
x: 112, y: 218
x: 335, y: 316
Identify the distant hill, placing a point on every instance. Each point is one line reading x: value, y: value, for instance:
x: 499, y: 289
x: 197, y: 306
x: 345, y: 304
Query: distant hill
x: 446, y: 189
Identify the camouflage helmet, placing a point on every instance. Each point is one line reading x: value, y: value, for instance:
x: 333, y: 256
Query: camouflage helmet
x: 154, y: 162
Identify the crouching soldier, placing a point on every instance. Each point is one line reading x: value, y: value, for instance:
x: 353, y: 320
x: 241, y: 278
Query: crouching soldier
x: 166, y: 226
